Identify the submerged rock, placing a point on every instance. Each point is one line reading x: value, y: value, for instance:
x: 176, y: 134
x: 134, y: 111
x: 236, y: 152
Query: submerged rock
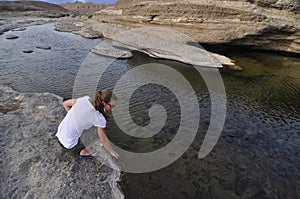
x: 33, y: 164
x: 11, y: 37
x: 44, y: 47
x: 27, y: 51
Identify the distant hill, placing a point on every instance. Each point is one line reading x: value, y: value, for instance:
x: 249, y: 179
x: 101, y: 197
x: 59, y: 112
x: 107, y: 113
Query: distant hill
x: 79, y: 8
x: 22, y: 6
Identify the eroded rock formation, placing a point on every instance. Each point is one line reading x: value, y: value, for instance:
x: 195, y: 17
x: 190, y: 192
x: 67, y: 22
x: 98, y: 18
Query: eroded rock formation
x: 79, y: 8
x: 261, y: 24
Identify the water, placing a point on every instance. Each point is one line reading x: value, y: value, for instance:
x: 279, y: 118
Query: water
x: 257, y: 155
x: 43, y: 70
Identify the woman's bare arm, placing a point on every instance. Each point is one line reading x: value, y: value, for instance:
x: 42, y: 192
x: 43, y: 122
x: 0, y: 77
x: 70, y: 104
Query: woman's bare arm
x: 105, y: 141
x: 68, y: 104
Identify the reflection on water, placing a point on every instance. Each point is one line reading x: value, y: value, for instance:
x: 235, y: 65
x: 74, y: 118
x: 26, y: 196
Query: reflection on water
x: 257, y: 155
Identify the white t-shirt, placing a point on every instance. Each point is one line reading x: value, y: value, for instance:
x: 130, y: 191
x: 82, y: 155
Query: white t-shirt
x: 81, y: 116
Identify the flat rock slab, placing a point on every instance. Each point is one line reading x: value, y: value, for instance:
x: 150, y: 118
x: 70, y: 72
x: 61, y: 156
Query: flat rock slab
x: 105, y: 49
x: 33, y: 164
x: 11, y: 37
x: 163, y: 43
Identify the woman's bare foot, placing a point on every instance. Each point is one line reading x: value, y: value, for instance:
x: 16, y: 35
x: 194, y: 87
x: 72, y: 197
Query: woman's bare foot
x: 88, y: 152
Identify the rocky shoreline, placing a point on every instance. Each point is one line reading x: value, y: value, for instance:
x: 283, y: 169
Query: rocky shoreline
x: 23, y: 14
x: 33, y: 164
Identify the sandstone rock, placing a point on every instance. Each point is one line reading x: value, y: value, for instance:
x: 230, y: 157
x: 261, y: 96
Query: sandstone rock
x: 154, y: 41
x: 69, y: 24
x: 264, y: 24
x: 89, y: 33
x: 107, y: 50
x: 77, y: 25
x: 22, y: 6
x: 79, y: 8
x: 33, y: 164
x: 106, y: 29
x: 229, y: 63
x: 149, y: 41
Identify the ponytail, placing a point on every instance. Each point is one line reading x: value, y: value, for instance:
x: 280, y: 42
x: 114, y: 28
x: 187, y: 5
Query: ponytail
x: 102, y: 96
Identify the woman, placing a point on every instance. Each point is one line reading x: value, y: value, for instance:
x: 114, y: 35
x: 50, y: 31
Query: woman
x: 83, y: 113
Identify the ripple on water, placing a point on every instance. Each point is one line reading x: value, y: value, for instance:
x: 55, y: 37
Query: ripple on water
x: 43, y: 70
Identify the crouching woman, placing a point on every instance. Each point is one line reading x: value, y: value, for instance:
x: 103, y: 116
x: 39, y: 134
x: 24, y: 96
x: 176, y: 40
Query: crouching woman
x: 84, y: 113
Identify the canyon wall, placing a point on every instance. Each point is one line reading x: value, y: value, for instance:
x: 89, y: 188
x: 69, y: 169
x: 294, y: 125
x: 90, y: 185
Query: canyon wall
x: 260, y: 24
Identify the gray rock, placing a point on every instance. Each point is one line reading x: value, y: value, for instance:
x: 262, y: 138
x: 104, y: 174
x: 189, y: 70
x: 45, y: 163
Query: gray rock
x: 163, y: 43
x: 19, y: 29
x: 106, y: 29
x: 33, y: 164
x: 108, y: 50
x: 156, y: 42
x: 11, y: 37
x: 44, y: 47
x: 69, y: 24
x: 89, y: 33
x: 77, y: 26
x: 20, y: 21
x: 27, y: 51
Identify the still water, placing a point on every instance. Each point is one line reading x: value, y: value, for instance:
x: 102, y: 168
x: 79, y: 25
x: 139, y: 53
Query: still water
x: 257, y: 155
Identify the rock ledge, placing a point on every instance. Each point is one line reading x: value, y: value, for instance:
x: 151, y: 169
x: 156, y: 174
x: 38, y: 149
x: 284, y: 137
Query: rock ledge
x: 33, y: 165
